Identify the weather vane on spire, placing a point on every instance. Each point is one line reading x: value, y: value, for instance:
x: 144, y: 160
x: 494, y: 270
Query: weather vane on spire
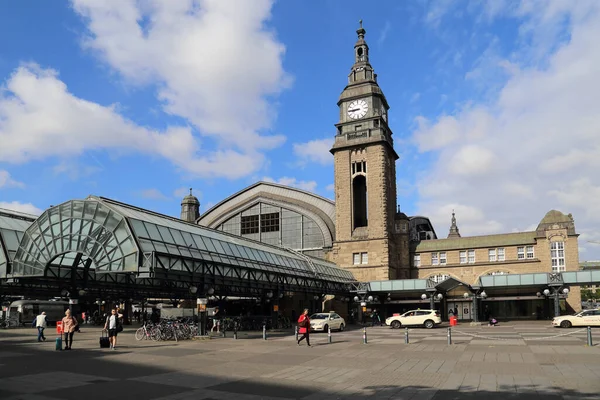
x: 360, y: 22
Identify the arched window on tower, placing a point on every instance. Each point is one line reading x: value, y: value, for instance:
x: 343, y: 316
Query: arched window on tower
x: 359, y: 191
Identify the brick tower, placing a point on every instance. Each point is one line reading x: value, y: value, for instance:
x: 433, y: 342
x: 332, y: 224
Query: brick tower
x: 371, y: 236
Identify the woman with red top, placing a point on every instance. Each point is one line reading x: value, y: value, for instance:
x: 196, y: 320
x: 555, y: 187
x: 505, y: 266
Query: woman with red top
x: 304, y: 324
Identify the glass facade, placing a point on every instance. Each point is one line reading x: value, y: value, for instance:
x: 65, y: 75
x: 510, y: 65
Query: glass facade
x: 113, y: 235
x: 12, y: 228
x: 279, y: 227
x: 79, y: 226
x: 178, y: 239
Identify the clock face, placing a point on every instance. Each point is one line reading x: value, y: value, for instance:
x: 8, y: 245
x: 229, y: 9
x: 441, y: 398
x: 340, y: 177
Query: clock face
x: 358, y: 109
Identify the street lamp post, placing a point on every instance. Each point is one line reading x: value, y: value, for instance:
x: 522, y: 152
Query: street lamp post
x: 555, y: 295
x: 432, y: 298
x: 474, y: 298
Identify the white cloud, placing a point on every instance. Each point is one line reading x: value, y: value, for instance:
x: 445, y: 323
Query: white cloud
x: 315, y: 151
x: 214, y: 63
x: 415, y: 97
x: 27, y: 208
x: 153, y: 194
x: 6, y: 181
x: 384, y: 33
x: 330, y: 187
x: 40, y: 118
x: 309, y: 186
x: 75, y: 170
x: 534, y: 146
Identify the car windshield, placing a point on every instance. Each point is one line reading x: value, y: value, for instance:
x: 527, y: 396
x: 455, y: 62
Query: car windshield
x: 319, y: 316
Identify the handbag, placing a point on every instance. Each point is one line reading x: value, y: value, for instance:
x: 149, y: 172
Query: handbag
x: 302, y: 324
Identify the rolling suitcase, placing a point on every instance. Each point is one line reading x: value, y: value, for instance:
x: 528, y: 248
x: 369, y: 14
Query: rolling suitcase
x: 104, y: 342
x: 59, y: 343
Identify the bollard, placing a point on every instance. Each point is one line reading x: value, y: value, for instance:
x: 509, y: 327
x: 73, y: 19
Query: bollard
x: 589, y: 336
x: 365, y: 335
x: 449, y: 335
x: 264, y: 332
x: 406, y: 335
x: 296, y: 332
x: 224, y: 333
x: 235, y: 331
x: 328, y: 334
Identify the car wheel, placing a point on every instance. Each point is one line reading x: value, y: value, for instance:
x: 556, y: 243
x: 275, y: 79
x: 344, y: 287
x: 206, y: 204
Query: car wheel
x: 341, y: 327
x: 325, y: 328
x: 565, y: 324
x: 429, y: 324
x: 396, y: 324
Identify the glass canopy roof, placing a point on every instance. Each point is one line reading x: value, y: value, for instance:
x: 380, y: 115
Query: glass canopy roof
x: 163, y: 234
x: 77, y: 226
x: 113, y: 235
x: 12, y: 227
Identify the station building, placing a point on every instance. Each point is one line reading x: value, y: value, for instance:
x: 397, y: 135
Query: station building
x: 364, y: 231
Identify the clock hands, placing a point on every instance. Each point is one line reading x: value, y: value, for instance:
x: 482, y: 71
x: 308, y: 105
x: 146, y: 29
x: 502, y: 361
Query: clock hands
x: 354, y: 109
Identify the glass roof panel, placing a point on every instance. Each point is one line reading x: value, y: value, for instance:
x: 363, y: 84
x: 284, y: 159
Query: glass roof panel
x: 166, y: 235
x: 154, y: 227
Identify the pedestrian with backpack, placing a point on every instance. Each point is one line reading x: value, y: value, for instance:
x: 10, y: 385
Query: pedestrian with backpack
x: 113, y: 325
x: 304, y: 327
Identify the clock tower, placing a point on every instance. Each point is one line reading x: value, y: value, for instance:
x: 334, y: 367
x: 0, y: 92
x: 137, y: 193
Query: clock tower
x: 371, y: 236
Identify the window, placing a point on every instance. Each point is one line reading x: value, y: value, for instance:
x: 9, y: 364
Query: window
x: 492, y: 255
x: 417, y: 260
x: 438, y: 278
x: 360, y: 258
x: 443, y: 258
x: 463, y: 257
x: 434, y: 259
x: 269, y: 222
x: 359, y: 166
x: 530, y: 252
x: 249, y: 224
x: 501, y: 254
x: 404, y: 227
x: 521, y: 253
x: 557, y: 254
x: 364, y: 258
x: 498, y: 273
x: 471, y: 256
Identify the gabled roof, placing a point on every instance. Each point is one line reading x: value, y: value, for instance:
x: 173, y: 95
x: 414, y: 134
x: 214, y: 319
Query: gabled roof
x: 474, y: 242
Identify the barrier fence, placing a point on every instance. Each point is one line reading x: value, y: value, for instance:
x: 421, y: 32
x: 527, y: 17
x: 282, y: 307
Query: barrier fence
x: 450, y: 332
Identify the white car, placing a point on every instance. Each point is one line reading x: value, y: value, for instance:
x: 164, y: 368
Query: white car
x: 584, y: 318
x: 324, y: 321
x: 426, y: 318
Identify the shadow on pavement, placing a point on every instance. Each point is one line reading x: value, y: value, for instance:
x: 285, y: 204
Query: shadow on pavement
x: 139, y: 373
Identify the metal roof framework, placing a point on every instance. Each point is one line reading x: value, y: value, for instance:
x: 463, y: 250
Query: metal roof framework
x: 98, y: 243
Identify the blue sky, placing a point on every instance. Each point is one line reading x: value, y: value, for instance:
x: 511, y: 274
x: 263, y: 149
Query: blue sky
x: 492, y: 103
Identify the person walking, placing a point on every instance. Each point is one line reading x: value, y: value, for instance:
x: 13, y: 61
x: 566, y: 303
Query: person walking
x: 113, y: 325
x: 69, y: 325
x: 41, y: 323
x: 216, y: 321
x: 304, y: 324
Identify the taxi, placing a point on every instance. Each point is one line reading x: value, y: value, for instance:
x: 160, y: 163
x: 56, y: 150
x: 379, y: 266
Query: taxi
x: 583, y: 318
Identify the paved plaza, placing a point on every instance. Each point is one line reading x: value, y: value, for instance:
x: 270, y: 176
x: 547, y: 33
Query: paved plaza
x: 524, y: 360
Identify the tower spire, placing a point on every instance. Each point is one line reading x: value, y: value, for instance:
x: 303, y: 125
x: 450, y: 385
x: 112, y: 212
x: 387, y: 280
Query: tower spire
x: 454, y: 233
x: 361, y: 49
